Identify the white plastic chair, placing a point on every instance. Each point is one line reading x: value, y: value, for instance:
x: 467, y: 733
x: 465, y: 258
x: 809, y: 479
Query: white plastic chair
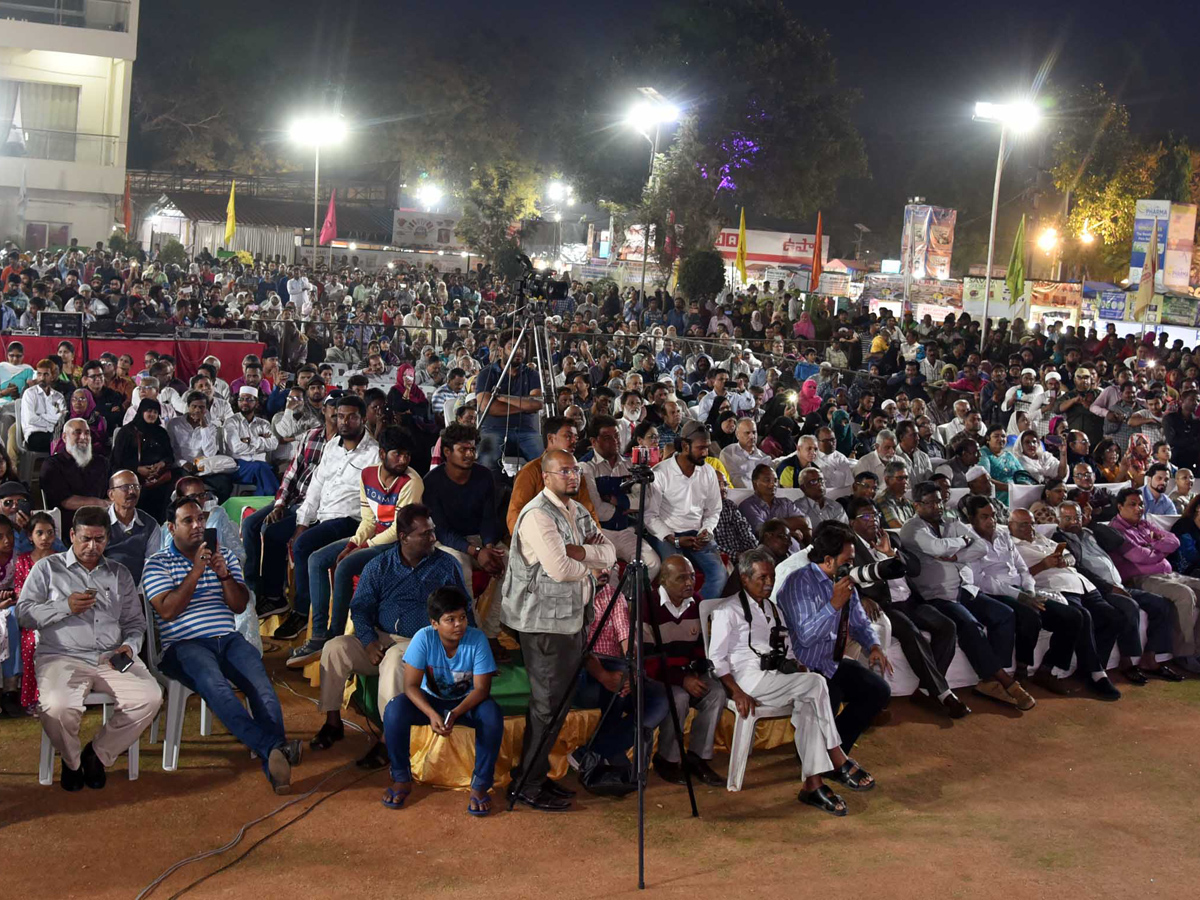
x: 46, y: 764
x: 26, y: 458
x: 743, y: 726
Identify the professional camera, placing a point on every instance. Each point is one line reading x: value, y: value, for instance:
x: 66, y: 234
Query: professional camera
x: 776, y: 659
x: 874, y: 573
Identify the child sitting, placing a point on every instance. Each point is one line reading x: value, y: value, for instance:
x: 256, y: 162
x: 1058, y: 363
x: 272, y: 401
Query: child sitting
x: 448, y: 670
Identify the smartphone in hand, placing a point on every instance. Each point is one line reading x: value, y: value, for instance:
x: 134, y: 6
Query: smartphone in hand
x: 210, y: 539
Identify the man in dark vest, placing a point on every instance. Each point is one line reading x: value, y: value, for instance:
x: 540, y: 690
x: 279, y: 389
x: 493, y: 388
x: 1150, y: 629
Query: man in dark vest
x: 133, y: 534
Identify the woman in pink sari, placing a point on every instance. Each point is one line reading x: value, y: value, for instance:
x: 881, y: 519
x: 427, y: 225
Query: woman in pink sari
x: 808, y: 400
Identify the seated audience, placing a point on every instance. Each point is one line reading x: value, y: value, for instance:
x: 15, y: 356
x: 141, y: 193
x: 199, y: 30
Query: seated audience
x: 75, y: 477
x: 133, y: 535
x: 248, y: 439
x: 892, y: 501
x: 144, y: 447
x: 743, y: 457
x: 42, y: 407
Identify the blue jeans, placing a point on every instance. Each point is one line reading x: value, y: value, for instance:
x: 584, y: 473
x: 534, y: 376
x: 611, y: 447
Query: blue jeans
x: 252, y: 529
x: 492, y: 444
x: 486, y: 718
x: 615, y: 735
x: 707, y: 560
x: 11, y: 666
x: 987, y: 653
x: 319, y: 564
x: 259, y: 474
x: 312, y: 540
x: 272, y: 575
x: 207, y: 665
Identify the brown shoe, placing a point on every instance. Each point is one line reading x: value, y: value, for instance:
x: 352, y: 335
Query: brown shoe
x: 1046, y: 680
x: 994, y: 690
x: 1024, y: 702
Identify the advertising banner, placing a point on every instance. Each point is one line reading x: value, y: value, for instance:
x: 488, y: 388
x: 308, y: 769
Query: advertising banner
x: 884, y: 287
x: 1181, y: 234
x: 416, y: 230
x: 934, y: 291
x: 930, y: 229
x: 1145, y: 213
x: 1111, y: 305
x: 766, y: 248
x: 1060, y: 294
x: 835, y: 284
x: 1178, y: 311
x: 1001, y: 305
x: 1047, y: 315
x: 933, y: 310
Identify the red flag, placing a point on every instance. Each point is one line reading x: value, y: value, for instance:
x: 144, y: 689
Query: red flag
x: 329, y: 229
x: 128, y: 209
x: 816, y: 258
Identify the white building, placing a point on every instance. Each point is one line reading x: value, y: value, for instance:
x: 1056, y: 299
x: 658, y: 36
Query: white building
x: 65, y: 70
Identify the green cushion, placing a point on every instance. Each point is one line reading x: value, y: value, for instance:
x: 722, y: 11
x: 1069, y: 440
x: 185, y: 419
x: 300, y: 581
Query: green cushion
x: 234, y: 505
x: 510, y: 689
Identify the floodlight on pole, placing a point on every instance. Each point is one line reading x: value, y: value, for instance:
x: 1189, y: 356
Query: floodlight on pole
x: 429, y: 195
x: 317, y: 131
x: 557, y: 191
x: 1018, y: 117
x: 650, y: 114
x: 1047, y: 240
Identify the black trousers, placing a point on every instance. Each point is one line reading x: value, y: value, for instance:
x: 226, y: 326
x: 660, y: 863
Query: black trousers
x: 929, y: 657
x: 551, y: 661
x: 1062, y: 620
x: 861, y: 695
x: 1092, y: 630
x: 38, y: 441
x: 1114, y: 620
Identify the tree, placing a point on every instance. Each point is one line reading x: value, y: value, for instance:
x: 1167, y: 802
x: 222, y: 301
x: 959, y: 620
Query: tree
x: 173, y: 253
x: 500, y: 196
x: 702, y: 273
x: 1173, y: 181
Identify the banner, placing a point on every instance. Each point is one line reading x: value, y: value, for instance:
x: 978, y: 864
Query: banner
x: 764, y: 248
x: 1001, y: 306
x: 1178, y: 310
x: 835, y: 284
x: 1181, y: 234
x: 1111, y: 305
x: 884, y: 287
x: 1145, y: 213
x: 416, y: 230
x: 930, y: 229
x: 1054, y: 294
x: 937, y: 313
x: 936, y: 292
x: 1047, y: 315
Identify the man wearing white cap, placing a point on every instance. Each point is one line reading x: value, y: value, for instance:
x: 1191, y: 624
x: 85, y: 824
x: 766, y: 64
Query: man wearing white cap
x: 1024, y: 396
x: 980, y: 484
x: 248, y: 439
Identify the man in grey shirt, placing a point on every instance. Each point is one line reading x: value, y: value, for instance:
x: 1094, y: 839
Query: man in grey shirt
x: 86, y: 610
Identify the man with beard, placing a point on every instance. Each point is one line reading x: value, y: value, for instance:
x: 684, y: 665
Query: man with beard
x: 512, y: 416
x: 74, y: 477
x: 248, y: 439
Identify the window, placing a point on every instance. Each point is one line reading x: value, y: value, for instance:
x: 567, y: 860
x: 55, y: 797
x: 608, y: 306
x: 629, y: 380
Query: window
x: 39, y: 120
x: 46, y: 235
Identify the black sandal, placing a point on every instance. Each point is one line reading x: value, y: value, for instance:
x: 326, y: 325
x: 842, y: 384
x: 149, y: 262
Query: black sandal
x: 375, y: 758
x: 327, y: 736
x: 853, y: 776
x: 824, y: 799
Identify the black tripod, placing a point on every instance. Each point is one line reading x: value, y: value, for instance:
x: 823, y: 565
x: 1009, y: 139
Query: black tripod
x: 634, y: 585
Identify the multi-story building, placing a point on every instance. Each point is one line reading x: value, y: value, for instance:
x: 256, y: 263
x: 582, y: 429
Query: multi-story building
x: 65, y: 70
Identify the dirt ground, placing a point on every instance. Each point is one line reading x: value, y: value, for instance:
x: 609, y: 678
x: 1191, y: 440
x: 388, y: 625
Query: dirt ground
x: 1076, y: 798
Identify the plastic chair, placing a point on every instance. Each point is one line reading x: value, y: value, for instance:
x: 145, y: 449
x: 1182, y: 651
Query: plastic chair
x: 26, y: 457
x: 743, y: 726
x: 46, y: 764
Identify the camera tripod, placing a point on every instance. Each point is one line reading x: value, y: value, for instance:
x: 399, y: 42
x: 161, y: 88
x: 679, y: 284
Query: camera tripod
x: 634, y: 585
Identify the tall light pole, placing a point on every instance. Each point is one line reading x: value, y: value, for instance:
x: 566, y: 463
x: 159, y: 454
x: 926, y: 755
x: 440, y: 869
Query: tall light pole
x: 652, y: 112
x: 316, y: 131
x: 1019, y: 118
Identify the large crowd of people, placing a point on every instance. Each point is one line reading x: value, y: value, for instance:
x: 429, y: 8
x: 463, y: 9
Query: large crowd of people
x: 452, y: 493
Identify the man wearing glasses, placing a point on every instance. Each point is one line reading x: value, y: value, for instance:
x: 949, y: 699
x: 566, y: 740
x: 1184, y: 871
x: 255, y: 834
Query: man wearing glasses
x: 133, y: 535
x: 547, y: 587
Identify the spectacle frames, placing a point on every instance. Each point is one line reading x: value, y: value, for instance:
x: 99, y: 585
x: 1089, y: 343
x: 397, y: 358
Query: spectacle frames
x: 127, y: 488
x: 568, y: 473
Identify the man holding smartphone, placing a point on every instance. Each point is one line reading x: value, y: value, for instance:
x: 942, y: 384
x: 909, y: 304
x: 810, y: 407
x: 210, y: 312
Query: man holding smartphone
x: 90, y: 627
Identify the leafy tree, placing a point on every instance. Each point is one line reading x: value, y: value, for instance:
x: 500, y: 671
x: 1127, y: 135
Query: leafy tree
x: 702, y: 273
x: 1173, y: 181
x: 173, y: 253
x: 499, y: 197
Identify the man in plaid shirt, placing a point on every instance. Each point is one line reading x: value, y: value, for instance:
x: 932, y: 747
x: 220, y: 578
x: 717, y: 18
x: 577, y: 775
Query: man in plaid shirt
x: 607, y: 674
x: 265, y: 534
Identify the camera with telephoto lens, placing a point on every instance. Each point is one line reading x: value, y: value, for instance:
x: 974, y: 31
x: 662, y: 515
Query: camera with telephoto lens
x: 776, y: 659
x: 874, y: 573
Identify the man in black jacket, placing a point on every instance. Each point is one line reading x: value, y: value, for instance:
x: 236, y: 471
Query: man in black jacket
x: 1182, y: 431
x: 109, y: 403
x: 929, y: 658
x: 1090, y: 543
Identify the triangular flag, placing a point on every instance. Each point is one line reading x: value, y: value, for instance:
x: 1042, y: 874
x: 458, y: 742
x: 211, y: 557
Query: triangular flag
x: 15, y: 140
x: 230, y: 218
x: 329, y: 229
x: 815, y: 281
x: 128, y: 209
x: 1015, y: 276
x: 23, y: 193
x: 741, y: 250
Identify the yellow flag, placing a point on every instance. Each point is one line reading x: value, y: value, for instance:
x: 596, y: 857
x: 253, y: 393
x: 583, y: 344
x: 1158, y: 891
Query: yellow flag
x: 741, y: 250
x: 230, y: 219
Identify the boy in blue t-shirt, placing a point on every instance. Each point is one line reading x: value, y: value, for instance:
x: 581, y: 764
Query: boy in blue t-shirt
x: 448, y: 670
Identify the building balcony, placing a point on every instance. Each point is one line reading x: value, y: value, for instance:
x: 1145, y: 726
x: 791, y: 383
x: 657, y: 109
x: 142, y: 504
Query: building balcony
x: 66, y: 146
x: 101, y: 15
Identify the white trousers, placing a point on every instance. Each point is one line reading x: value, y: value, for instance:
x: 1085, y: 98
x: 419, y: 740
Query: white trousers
x: 812, y: 716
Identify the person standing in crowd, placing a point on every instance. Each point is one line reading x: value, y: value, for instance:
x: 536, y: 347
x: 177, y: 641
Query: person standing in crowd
x: 90, y: 628
x: 684, y: 506
x: 547, y: 587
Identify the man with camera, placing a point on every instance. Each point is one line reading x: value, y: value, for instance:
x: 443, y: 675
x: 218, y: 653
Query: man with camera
x: 683, y: 508
x: 512, y: 416
x: 752, y: 657
x: 547, y: 585
x: 930, y: 657
x: 822, y: 616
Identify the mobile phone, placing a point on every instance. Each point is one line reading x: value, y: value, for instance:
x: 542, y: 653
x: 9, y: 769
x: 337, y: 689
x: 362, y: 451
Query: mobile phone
x: 122, y: 662
x: 446, y: 721
x: 210, y: 538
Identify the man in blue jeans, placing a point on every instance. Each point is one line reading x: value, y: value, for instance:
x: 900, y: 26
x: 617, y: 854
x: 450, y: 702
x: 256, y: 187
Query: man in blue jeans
x: 683, y: 507
x: 513, y: 415
x: 195, y: 594
x: 330, y: 510
x: 448, y: 670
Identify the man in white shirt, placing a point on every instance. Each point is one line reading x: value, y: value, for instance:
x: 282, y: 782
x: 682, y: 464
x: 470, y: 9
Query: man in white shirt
x: 331, y: 509
x: 834, y: 465
x: 908, y: 450
x: 248, y: 439
x: 42, y: 408
x: 739, y: 403
x: 876, y: 461
x: 740, y: 458
x: 300, y: 292
x: 603, y: 475
x: 946, y: 581
x: 220, y: 385
x: 684, y: 506
x: 743, y: 631
x: 816, y: 506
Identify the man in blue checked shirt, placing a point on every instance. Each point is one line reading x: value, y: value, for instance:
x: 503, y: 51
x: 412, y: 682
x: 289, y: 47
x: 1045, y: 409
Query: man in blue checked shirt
x: 388, y: 608
x: 822, y: 616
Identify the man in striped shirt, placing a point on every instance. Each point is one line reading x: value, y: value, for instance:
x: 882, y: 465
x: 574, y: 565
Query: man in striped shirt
x: 196, y: 591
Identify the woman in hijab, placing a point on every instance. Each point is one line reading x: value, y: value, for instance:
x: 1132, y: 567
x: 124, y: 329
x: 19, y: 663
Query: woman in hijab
x: 143, y: 446
x: 808, y: 401
x: 82, y: 406
x: 804, y: 328
x: 724, y: 431
x: 840, y: 423
x: 409, y: 408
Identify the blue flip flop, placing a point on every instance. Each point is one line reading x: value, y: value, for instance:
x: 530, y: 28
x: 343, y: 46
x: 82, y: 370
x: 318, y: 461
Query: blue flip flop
x: 394, y: 799
x: 479, y: 806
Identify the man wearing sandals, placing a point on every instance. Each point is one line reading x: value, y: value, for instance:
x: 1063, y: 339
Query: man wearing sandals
x: 448, y: 670
x: 822, y: 615
x: 740, y: 646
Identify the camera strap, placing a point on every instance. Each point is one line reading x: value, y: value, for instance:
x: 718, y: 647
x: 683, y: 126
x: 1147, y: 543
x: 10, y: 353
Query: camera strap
x: 750, y: 620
